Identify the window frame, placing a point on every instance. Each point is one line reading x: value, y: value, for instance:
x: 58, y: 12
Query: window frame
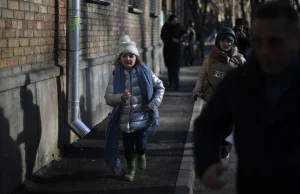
x: 153, y: 8
x: 132, y: 7
x: 101, y: 2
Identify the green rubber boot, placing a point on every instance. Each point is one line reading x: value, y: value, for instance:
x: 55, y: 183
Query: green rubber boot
x: 129, y: 175
x: 142, y: 163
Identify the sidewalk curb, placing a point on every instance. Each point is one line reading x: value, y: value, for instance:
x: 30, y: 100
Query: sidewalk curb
x: 186, y: 175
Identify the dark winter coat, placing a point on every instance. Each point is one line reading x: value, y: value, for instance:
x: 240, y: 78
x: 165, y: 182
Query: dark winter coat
x: 172, y: 51
x: 267, y: 131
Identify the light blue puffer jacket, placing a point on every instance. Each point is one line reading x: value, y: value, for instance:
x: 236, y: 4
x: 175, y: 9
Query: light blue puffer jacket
x: 133, y: 114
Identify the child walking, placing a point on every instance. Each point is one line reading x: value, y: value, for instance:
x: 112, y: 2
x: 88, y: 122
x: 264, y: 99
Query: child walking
x: 223, y: 58
x: 135, y: 92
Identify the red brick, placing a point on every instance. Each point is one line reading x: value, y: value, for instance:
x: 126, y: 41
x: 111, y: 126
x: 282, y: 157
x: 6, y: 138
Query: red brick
x: 24, y: 24
x: 34, y: 25
x: 61, y: 4
x: 14, y: 24
x: 12, y: 62
x: 62, y: 18
x: 52, y: 33
x: 19, y: 15
x: 2, y: 23
x: 8, y: 24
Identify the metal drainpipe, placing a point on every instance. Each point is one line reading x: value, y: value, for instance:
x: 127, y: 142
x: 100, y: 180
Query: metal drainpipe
x: 77, y: 126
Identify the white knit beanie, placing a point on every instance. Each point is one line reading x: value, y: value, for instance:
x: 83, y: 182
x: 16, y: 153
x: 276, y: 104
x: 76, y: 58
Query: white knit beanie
x: 128, y: 47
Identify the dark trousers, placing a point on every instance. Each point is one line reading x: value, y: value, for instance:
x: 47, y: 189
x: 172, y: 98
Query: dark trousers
x: 226, y: 133
x: 133, y: 143
x: 173, y: 75
x: 173, y: 59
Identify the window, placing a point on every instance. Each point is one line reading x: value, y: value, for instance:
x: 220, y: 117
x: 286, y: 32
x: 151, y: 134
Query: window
x: 131, y: 3
x: 153, y: 9
x: 133, y: 7
x: 101, y: 2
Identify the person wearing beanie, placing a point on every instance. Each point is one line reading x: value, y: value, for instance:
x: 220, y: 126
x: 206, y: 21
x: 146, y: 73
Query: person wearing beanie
x: 243, y: 37
x: 223, y: 58
x: 172, y: 35
x: 135, y: 92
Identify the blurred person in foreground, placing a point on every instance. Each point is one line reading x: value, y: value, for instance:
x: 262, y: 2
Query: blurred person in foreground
x: 261, y: 100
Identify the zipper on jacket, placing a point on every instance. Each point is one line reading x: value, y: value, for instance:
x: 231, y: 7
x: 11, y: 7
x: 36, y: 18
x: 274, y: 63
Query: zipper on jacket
x: 130, y: 101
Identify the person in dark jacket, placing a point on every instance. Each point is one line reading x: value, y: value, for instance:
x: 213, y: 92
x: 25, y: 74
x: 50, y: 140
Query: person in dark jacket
x: 243, y: 37
x: 172, y: 34
x: 261, y: 99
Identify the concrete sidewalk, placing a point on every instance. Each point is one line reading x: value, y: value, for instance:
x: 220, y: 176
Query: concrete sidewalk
x: 82, y: 169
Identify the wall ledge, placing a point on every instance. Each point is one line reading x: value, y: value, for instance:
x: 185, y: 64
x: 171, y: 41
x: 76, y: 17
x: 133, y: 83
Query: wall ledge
x: 10, y: 78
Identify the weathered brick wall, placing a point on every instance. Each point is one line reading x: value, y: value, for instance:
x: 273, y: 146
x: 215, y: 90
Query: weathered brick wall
x: 33, y: 72
x: 27, y: 33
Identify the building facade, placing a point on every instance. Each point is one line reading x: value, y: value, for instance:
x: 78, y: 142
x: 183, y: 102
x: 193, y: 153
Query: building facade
x: 33, y: 72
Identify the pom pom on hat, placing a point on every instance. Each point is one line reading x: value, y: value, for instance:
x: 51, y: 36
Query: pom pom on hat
x: 124, y: 38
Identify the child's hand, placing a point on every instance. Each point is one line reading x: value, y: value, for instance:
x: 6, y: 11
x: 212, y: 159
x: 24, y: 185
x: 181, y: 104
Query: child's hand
x: 126, y: 96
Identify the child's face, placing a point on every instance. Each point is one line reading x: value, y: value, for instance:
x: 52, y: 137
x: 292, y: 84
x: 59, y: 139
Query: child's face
x: 226, y: 44
x: 128, y: 60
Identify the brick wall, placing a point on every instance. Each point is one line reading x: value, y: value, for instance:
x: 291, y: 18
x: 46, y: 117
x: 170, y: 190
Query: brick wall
x: 102, y: 26
x: 33, y: 50
x: 26, y: 33
x: 27, y: 30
